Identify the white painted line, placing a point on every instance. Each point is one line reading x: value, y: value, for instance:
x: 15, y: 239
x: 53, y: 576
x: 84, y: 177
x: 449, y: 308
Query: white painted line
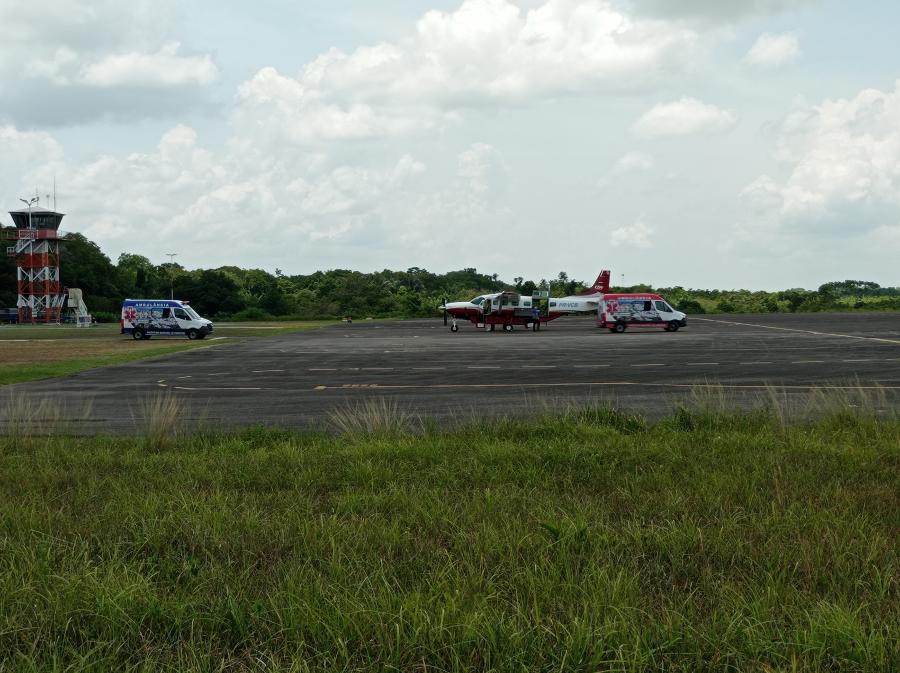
x: 321, y: 370
x: 488, y: 367
x: 378, y: 369
x: 217, y: 338
x: 756, y: 362
x: 213, y: 388
x: 654, y: 364
x: 808, y: 362
x: 805, y: 331
x: 266, y: 371
x: 862, y: 360
x: 412, y: 386
x: 590, y: 366
x: 538, y: 366
x: 184, y: 377
x: 220, y: 374
x: 701, y: 364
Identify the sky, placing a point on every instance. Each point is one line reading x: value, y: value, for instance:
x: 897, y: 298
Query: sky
x: 703, y: 143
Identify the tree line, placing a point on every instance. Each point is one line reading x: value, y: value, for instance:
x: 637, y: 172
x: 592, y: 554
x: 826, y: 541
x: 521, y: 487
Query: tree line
x: 230, y: 292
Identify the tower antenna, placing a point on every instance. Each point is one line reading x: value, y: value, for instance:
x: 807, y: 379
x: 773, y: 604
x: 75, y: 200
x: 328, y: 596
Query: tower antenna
x: 54, y: 193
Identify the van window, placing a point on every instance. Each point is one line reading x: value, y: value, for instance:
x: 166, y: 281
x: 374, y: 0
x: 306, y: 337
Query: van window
x: 662, y: 306
x: 648, y: 306
x: 181, y: 314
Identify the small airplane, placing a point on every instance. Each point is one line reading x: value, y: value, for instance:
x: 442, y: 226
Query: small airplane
x: 510, y: 308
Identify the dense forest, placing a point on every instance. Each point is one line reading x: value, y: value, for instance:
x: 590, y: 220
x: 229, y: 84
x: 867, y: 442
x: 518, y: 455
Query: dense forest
x: 230, y: 292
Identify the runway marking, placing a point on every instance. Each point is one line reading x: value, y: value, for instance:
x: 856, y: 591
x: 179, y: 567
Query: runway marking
x: 212, y: 389
x: 482, y: 367
x: 699, y: 364
x: 862, y: 360
x: 220, y: 374
x: 378, y: 369
x: 805, y: 331
x: 808, y: 362
x: 184, y: 377
x: 749, y: 386
x: 590, y: 366
x: 756, y: 362
x: 321, y: 370
x: 265, y: 371
x: 650, y: 364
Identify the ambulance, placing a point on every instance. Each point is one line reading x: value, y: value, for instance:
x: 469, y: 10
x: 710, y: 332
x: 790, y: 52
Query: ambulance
x: 618, y: 312
x: 144, y: 318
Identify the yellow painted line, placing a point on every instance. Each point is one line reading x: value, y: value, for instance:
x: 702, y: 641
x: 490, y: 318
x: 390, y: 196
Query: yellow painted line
x: 804, y: 331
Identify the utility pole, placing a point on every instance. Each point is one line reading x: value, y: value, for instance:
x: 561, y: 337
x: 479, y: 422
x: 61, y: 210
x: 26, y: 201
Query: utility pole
x: 171, y: 256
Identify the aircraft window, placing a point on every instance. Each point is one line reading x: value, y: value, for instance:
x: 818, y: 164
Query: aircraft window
x: 526, y: 303
x: 662, y: 306
x: 477, y: 300
x: 552, y: 303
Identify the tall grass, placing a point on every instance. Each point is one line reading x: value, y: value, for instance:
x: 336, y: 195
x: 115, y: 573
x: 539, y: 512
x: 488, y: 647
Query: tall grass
x: 589, y: 540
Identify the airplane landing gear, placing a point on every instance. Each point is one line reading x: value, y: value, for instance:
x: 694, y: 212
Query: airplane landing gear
x: 507, y: 327
x: 453, y: 326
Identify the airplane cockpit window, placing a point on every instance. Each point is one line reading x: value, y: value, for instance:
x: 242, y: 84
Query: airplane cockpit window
x: 477, y: 301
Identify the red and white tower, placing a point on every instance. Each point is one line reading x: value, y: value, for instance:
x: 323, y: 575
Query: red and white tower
x: 36, y: 249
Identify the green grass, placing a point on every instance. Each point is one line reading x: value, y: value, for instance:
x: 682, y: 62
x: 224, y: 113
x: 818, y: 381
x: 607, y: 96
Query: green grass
x: 592, y: 541
x: 32, y: 372
x: 53, y: 350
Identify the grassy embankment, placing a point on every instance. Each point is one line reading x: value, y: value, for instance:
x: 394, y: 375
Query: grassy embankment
x: 28, y: 352
x: 590, y: 541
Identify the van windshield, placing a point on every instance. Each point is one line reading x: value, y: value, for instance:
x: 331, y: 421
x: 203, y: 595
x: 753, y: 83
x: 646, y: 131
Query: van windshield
x: 191, y: 312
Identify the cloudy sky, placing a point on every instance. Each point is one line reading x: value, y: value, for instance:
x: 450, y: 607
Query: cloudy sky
x: 704, y: 143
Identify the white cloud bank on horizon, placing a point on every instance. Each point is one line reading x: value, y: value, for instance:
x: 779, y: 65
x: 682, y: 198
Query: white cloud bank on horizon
x: 683, y: 117
x: 772, y: 50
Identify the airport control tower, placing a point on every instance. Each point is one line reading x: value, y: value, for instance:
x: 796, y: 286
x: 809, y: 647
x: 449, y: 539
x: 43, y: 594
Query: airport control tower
x: 41, y: 297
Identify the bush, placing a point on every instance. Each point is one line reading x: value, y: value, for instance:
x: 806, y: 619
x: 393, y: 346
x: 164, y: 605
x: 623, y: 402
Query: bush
x: 254, y: 314
x: 105, y: 316
x: 690, y: 306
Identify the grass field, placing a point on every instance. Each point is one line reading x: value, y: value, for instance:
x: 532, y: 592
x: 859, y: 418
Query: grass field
x: 29, y: 352
x: 590, y: 541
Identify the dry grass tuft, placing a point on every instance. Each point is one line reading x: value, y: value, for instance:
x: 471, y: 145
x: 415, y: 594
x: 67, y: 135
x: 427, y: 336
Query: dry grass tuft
x: 162, y: 420
x: 373, y: 416
x: 27, y: 417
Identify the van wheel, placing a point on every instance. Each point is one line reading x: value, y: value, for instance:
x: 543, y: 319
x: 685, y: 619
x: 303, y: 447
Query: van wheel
x: 192, y: 334
x: 673, y: 326
x: 137, y: 333
x: 619, y: 328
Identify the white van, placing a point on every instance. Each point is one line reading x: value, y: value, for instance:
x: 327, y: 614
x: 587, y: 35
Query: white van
x: 617, y: 312
x: 143, y: 318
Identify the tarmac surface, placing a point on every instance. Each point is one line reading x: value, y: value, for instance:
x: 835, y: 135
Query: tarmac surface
x: 295, y: 380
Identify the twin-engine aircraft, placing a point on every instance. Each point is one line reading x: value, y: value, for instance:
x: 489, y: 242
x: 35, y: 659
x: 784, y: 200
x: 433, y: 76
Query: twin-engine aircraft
x: 508, y: 309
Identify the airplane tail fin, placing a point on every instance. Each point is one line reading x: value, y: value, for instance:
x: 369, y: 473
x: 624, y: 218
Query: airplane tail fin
x: 600, y: 285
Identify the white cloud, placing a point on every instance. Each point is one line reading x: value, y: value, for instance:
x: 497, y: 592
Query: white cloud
x: 97, y: 60
x: 636, y: 235
x: 634, y: 162
x: 487, y: 52
x: 685, y: 116
x: 165, y: 67
x: 843, y: 171
x: 773, y: 49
